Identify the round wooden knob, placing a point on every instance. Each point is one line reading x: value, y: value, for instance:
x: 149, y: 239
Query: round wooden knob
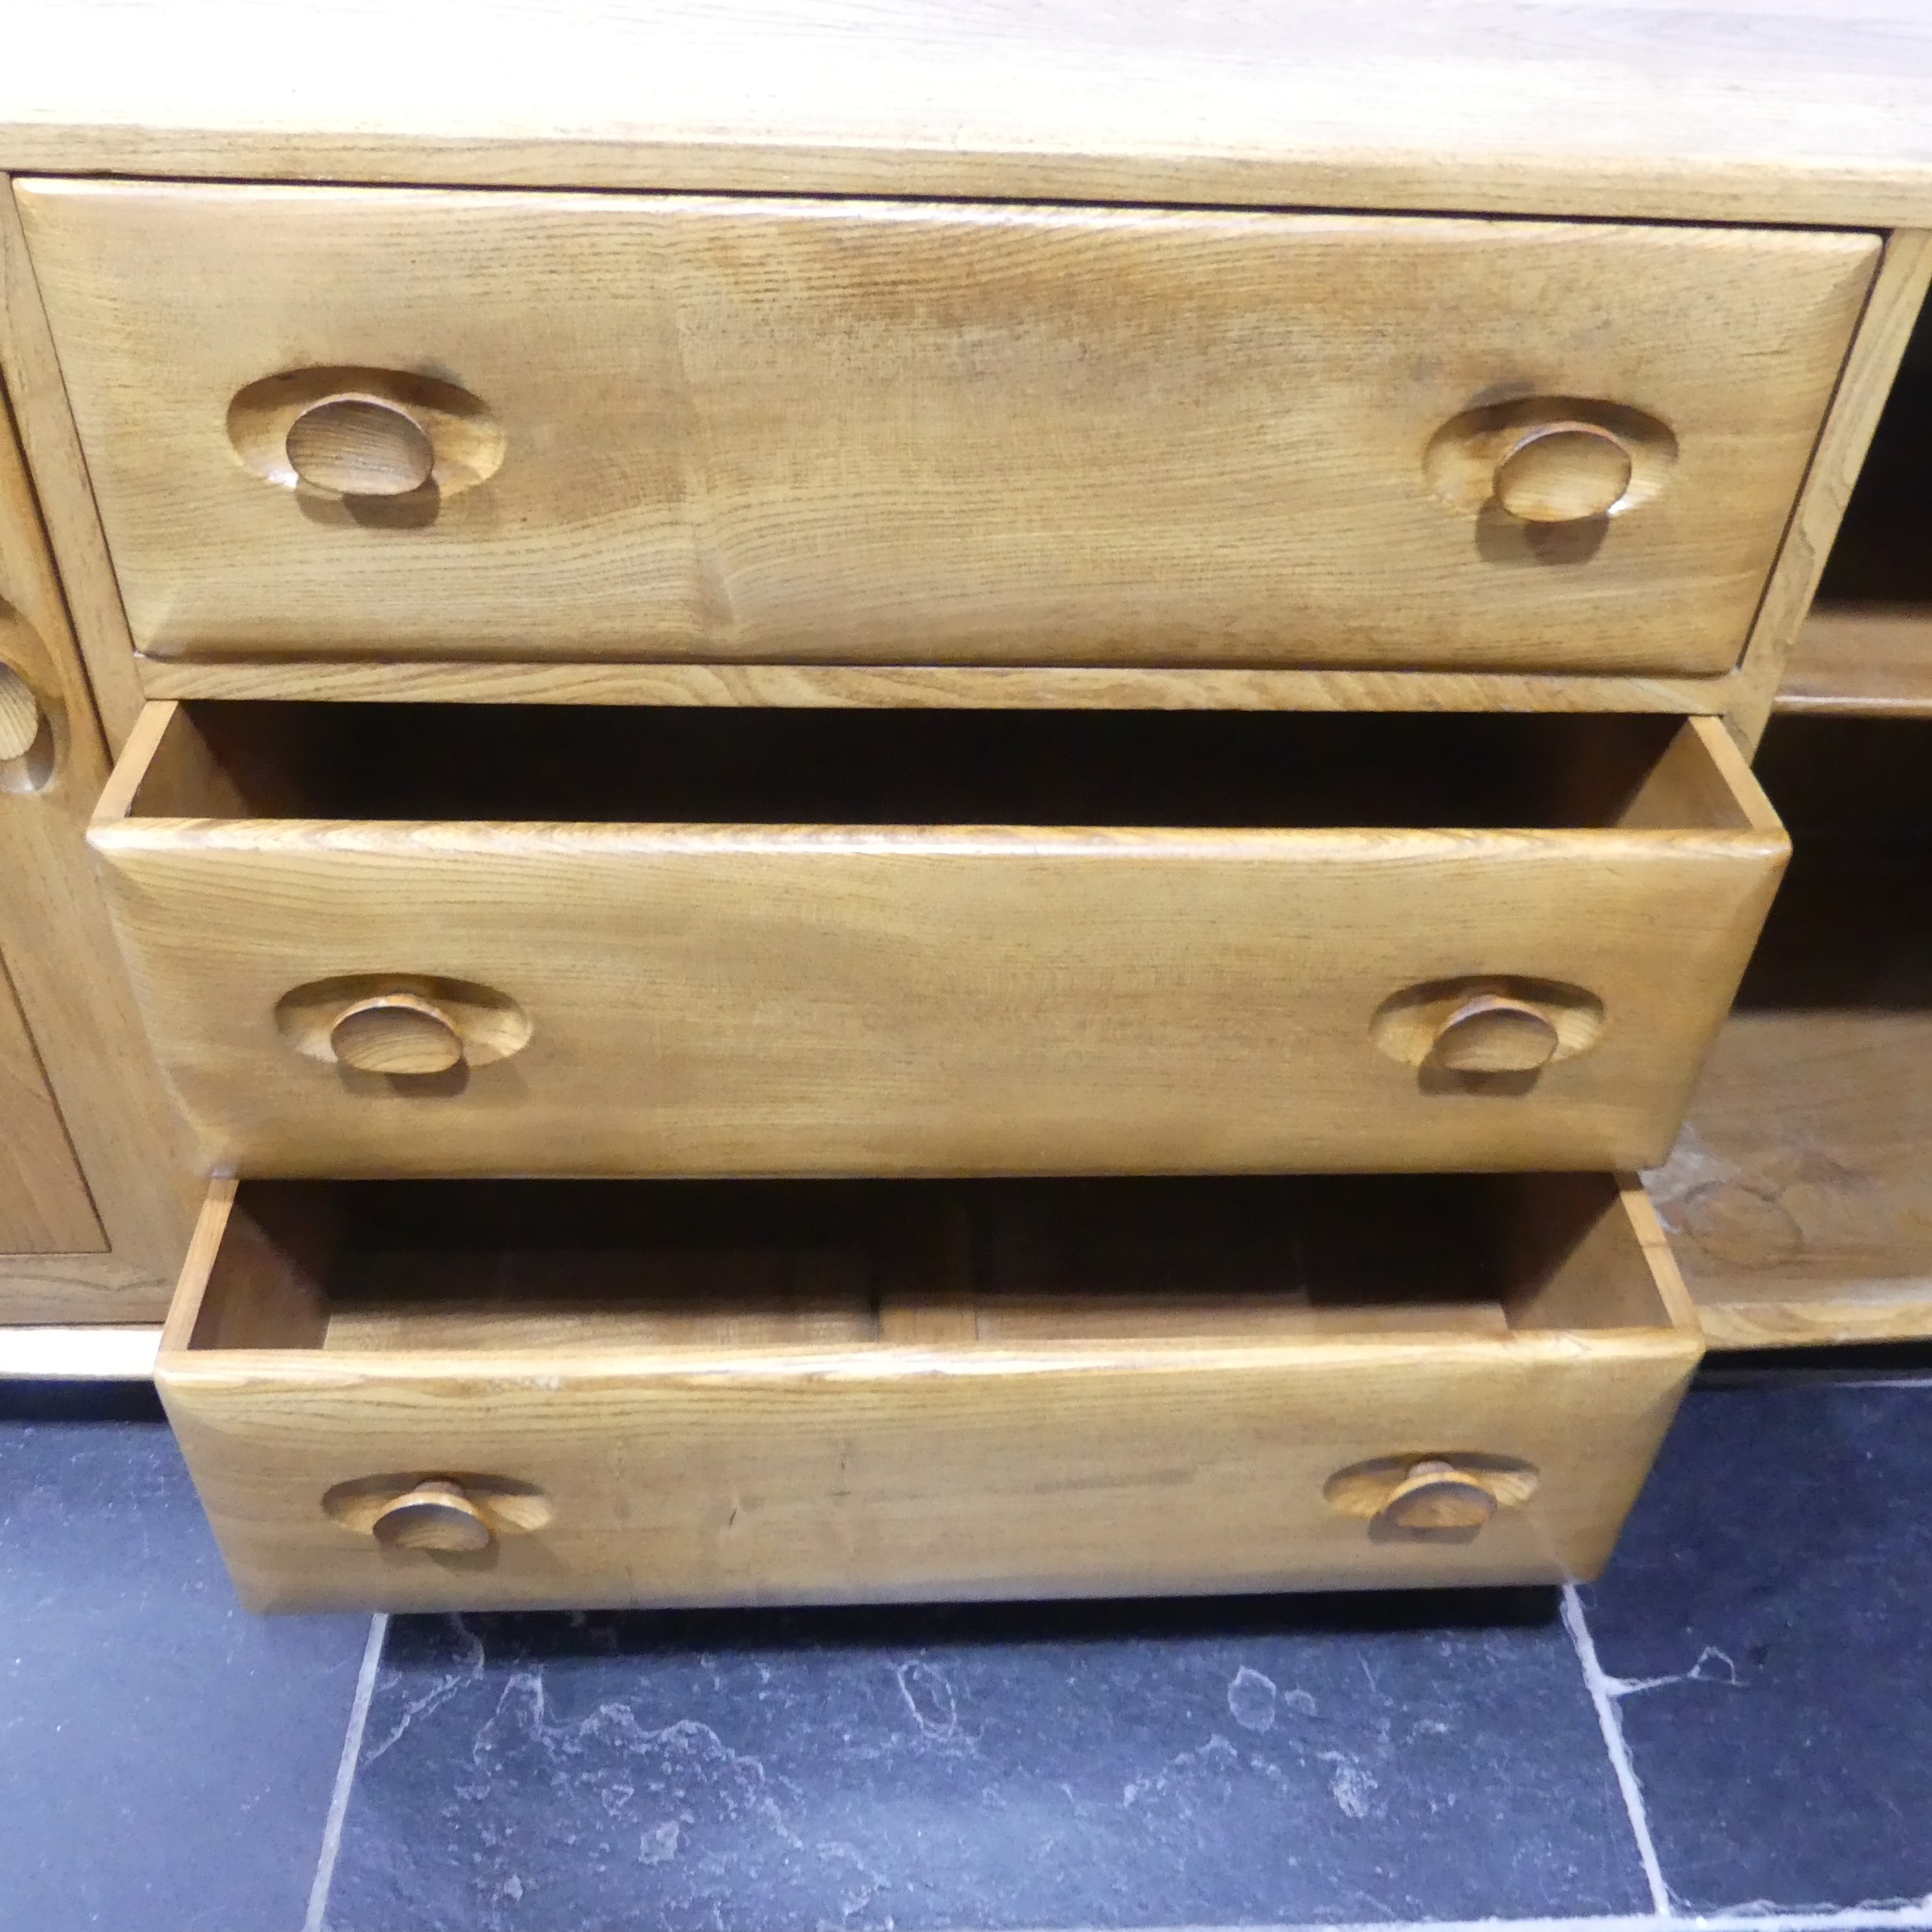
x: 433, y: 1515
x: 1491, y: 1033
x: 1562, y: 472
x: 20, y: 719
x: 396, y: 1033
x: 1438, y: 1495
x: 360, y: 446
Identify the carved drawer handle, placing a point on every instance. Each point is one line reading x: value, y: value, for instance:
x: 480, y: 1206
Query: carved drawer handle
x: 405, y: 1025
x: 397, y: 1033
x: 360, y: 446
x: 436, y: 1515
x: 1494, y: 1033
x: 21, y: 718
x: 1438, y: 1495
x: 1563, y: 472
x: 1448, y: 1496
x: 456, y: 1515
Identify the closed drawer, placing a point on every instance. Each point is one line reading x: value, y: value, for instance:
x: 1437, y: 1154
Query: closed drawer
x: 394, y: 423
x: 422, y: 940
x: 420, y: 1396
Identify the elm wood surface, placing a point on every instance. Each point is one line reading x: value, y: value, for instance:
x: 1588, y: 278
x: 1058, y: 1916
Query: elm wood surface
x: 1799, y: 1196
x: 943, y: 687
x: 905, y: 942
x: 1675, y: 111
x: 947, y: 434
x: 95, y: 1187
x: 1862, y: 401
x: 1867, y: 647
x: 31, y: 376
x: 712, y: 1410
x: 44, y: 1207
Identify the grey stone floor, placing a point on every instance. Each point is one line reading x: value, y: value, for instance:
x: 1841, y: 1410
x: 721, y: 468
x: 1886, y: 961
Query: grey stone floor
x: 1735, y: 1725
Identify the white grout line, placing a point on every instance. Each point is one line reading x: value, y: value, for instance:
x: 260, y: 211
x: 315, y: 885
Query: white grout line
x: 104, y: 1354
x: 1610, y: 1720
x: 1853, y: 1918
x: 315, y: 1920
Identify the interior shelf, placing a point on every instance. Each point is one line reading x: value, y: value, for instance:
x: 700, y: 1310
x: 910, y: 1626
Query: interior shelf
x: 1866, y: 648
x: 1799, y: 1197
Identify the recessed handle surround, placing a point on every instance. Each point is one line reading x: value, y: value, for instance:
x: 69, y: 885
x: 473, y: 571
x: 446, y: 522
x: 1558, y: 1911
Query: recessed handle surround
x: 406, y: 1027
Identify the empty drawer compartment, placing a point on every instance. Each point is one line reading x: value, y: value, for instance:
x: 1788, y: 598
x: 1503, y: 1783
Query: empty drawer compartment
x: 423, y: 940
x: 429, y: 1395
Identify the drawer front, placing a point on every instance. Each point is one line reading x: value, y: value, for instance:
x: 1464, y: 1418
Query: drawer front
x: 343, y: 1474
x: 344, y: 998
x: 394, y: 424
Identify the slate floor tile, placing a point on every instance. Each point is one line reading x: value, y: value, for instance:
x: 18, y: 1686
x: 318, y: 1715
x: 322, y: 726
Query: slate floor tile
x: 1254, y: 1761
x: 166, y: 1760
x: 1769, y: 1613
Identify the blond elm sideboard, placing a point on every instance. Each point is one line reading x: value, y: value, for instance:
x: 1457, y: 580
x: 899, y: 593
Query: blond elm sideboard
x: 914, y: 802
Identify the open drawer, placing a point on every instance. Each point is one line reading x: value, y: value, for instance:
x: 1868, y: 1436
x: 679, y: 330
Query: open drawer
x: 461, y: 1395
x: 428, y: 940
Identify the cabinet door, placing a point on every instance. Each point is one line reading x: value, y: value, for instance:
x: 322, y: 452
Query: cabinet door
x: 44, y: 1208
x: 80, y: 1096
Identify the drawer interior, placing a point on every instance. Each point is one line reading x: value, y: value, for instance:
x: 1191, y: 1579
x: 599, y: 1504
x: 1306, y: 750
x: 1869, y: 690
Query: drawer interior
x: 382, y: 1267
x: 634, y: 765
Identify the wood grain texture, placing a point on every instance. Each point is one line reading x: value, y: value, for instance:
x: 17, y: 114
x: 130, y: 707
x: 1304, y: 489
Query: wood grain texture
x: 1897, y: 295
x: 770, y: 1471
x: 992, y: 687
x: 30, y: 373
x: 893, y: 432
x: 43, y: 1197
x: 1862, y: 660
x: 1799, y: 1195
x: 87, y: 1038
x: 834, y: 997
x: 1711, y: 110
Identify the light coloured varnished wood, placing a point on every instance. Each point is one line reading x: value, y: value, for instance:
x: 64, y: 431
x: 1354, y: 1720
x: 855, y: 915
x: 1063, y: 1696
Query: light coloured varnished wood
x: 888, y: 432
x: 44, y: 1207
x: 100, y: 1244
x: 396, y: 1033
x: 853, y: 998
x: 359, y: 446
x: 437, y: 1516
x: 699, y: 1471
x: 1861, y: 660
x: 995, y: 687
x: 1563, y: 472
x: 1492, y: 1033
x: 1896, y: 296
x: 21, y: 720
x: 30, y: 374
x: 1799, y: 1195
x: 1709, y: 110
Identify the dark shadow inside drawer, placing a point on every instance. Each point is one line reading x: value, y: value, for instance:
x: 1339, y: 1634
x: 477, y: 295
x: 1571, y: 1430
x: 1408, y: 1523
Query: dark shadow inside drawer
x: 639, y: 765
x: 383, y: 1266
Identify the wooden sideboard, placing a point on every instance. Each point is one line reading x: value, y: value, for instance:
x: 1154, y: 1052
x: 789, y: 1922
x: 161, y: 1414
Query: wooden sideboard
x: 922, y: 800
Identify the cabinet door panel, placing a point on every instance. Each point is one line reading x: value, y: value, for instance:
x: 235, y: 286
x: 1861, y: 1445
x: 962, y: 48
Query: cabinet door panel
x: 44, y: 1208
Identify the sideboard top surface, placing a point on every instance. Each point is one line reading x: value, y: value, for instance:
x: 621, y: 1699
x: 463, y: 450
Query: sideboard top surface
x: 1805, y: 111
